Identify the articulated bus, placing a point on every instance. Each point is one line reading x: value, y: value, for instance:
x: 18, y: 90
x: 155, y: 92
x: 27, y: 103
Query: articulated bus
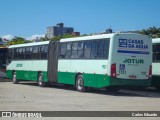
x: 100, y: 61
x: 156, y: 63
x: 3, y: 58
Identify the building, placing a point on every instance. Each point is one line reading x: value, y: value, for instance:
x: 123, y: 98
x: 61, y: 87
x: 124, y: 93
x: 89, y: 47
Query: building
x: 76, y: 33
x: 57, y: 30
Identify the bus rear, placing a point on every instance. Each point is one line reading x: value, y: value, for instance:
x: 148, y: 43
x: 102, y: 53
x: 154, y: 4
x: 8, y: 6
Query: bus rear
x: 132, y: 60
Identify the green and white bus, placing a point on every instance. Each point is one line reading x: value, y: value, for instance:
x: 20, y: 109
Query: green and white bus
x: 99, y: 61
x: 156, y: 63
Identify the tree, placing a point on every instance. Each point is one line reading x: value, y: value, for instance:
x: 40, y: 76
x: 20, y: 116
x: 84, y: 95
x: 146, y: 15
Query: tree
x: 152, y: 31
x: 17, y: 40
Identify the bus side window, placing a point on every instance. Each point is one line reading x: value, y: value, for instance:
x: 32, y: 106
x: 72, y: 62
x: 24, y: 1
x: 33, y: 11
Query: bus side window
x: 63, y: 50
x: 94, y: 49
x: 154, y: 55
x: 100, y: 48
x: 80, y: 49
x: 157, y: 52
x: 28, y: 53
x: 74, y: 50
x: 103, y: 49
x: 43, y: 52
x: 23, y: 53
x: 20, y: 54
x: 35, y: 52
x: 68, y: 51
x: 87, y: 49
x: 15, y: 53
x: 106, y: 49
x: 10, y: 55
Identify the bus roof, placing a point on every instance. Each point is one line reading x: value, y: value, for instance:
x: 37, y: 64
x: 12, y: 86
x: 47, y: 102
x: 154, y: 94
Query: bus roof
x: 101, y: 36
x: 156, y: 40
x: 29, y: 44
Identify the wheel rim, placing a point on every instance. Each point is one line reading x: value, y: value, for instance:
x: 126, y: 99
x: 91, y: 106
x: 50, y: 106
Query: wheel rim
x: 80, y: 83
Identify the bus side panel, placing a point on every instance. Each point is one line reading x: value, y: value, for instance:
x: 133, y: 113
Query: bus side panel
x: 90, y: 80
x: 66, y: 77
x: 9, y: 74
x: 103, y: 81
x: 45, y: 76
x: 28, y: 70
x: 64, y: 73
x: 95, y: 73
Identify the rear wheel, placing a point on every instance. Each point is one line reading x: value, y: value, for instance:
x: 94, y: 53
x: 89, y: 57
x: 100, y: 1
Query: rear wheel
x: 14, y: 79
x: 41, y: 82
x: 80, y: 84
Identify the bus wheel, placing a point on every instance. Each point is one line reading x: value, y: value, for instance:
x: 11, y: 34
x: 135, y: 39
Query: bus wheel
x: 112, y: 89
x: 41, y: 82
x: 14, y: 79
x: 80, y: 83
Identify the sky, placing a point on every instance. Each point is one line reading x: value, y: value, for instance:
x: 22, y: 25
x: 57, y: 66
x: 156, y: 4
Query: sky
x: 30, y: 18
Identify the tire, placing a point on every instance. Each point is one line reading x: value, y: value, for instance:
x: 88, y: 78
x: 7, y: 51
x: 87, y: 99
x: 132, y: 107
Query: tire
x: 41, y: 82
x: 112, y: 89
x: 80, y: 84
x: 14, y: 79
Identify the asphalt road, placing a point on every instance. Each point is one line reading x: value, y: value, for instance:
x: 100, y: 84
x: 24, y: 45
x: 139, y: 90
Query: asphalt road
x: 29, y: 97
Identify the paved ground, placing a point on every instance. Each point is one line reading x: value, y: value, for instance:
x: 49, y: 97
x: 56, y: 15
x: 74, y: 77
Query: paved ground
x: 30, y: 97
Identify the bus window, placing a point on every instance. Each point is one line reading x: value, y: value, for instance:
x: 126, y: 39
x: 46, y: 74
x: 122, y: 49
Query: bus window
x: 94, y: 49
x: 103, y: 49
x: 156, y: 52
x: 80, y: 49
x: 63, y: 50
x: 43, y: 52
x: 35, y: 52
x: 87, y: 49
x: 28, y: 53
x: 68, y: 51
x: 74, y: 50
x: 106, y: 49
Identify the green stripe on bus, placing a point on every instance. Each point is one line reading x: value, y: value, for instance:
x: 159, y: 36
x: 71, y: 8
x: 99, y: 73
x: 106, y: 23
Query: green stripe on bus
x: 90, y: 80
x: 27, y: 75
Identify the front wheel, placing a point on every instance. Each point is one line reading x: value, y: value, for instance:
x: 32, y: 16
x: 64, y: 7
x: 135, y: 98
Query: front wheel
x: 14, y: 79
x: 80, y: 84
x: 41, y: 82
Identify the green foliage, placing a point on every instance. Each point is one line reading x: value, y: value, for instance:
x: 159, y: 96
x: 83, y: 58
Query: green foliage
x: 44, y: 39
x: 17, y: 40
x: 151, y: 31
x: 62, y: 36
